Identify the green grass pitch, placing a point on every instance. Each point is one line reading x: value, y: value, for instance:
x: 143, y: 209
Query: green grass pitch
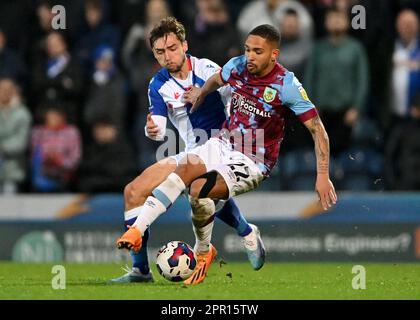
x: 276, y: 281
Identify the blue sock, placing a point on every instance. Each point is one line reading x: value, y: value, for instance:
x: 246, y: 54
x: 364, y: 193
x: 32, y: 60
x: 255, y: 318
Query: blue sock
x: 232, y: 216
x: 140, y: 259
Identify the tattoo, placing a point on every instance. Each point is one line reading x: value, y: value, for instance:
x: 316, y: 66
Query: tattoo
x: 322, y: 145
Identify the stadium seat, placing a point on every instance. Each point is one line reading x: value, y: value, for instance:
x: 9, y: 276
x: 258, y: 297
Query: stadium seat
x: 361, y: 168
x: 299, y: 169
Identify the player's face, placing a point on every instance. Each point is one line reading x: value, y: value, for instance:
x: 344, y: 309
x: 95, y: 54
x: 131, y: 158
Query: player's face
x: 260, y: 54
x: 170, y: 52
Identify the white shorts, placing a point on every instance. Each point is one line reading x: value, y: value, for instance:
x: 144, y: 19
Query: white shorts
x: 177, y: 157
x: 240, y: 173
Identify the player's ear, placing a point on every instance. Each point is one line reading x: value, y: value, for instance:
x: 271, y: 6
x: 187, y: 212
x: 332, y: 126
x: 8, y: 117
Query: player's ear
x: 275, y: 54
x: 185, y: 45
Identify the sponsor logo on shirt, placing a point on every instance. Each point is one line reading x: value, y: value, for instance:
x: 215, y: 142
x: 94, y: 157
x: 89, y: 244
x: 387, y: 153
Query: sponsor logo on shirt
x: 303, y: 93
x: 247, y: 106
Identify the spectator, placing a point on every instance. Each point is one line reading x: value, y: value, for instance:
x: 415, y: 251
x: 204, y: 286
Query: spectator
x: 403, y: 152
x: 15, y: 122
x: 128, y: 13
x: 99, y: 172
x: 336, y: 78
x: 56, y: 152
x: 11, y: 64
x: 136, y: 53
x: 296, y: 43
x: 255, y: 13
x: 58, y: 80
x: 141, y: 65
x: 106, y: 94
x: 406, y: 65
x: 99, y: 32
x: 213, y: 27
x: 39, y: 32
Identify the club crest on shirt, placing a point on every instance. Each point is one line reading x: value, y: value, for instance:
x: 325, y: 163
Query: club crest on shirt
x: 269, y: 94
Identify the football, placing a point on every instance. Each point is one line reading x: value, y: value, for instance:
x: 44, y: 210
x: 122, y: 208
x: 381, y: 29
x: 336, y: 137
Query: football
x: 176, y: 261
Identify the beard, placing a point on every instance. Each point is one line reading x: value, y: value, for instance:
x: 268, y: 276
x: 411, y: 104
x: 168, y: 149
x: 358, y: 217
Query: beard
x: 256, y: 71
x: 177, y: 68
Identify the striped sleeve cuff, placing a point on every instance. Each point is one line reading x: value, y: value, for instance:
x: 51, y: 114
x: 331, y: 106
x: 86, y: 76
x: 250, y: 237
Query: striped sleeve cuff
x: 307, y: 115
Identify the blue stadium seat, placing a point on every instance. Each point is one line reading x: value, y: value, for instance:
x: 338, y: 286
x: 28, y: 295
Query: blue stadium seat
x: 299, y: 170
x: 361, y: 168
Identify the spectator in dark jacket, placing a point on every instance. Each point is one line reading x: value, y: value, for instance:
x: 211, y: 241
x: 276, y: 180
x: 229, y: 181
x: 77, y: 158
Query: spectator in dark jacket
x: 11, y: 64
x: 58, y: 80
x: 99, y: 32
x: 100, y: 171
x: 403, y: 152
x: 106, y: 95
x: 213, y: 27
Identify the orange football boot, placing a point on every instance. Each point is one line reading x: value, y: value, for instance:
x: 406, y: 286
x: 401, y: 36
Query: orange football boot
x: 204, y: 261
x: 130, y: 240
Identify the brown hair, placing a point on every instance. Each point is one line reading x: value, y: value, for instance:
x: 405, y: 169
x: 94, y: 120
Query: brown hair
x: 166, y: 26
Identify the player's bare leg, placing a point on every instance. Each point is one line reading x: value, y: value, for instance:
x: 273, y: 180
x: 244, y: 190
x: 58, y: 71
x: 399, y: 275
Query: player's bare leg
x: 136, y: 192
x: 188, y: 169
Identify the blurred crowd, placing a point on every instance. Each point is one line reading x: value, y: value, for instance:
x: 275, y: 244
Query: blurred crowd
x: 73, y: 102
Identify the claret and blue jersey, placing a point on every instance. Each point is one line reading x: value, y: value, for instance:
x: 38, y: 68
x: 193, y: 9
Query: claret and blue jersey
x: 165, y: 97
x: 259, y: 103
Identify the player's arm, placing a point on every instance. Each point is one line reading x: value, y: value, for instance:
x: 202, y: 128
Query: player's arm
x: 324, y: 186
x: 155, y: 127
x: 197, y: 95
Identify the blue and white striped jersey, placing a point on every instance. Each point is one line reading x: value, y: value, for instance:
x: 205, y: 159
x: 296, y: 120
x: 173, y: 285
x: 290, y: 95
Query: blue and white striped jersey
x: 165, y: 93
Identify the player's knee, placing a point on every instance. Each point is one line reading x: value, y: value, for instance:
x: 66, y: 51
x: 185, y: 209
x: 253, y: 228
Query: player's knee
x: 129, y: 193
x: 202, y: 186
x: 196, y: 187
x: 133, y: 194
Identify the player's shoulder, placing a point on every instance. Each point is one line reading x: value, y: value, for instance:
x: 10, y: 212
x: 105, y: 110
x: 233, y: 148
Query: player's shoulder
x: 159, y: 79
x: 203, y: 63
x: 237, y: 63
x: 234, y: 65
x: 290, y: 80
x: 292, y: 89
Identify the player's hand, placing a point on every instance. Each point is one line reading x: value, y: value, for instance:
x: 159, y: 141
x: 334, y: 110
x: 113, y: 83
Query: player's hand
x: 326, y: 192
x: 151, y: 128
x: 193, y: 95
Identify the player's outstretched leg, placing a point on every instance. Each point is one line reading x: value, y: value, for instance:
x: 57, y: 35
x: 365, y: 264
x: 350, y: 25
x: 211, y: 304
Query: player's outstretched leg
x: 203, y: 220
x: 251, y: 238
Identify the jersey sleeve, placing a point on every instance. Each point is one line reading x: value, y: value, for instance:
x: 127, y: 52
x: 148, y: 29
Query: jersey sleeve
x: 235, y: 64
x: 209, y: 68
x: 295, y: 97
x: 156, y: 104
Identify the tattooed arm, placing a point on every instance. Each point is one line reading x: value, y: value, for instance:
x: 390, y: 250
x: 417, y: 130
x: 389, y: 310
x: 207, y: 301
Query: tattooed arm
x: 324, y: 186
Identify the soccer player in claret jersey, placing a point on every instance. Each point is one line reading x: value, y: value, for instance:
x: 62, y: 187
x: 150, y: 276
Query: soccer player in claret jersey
x: 180, y: 73
x: 226, y: 166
